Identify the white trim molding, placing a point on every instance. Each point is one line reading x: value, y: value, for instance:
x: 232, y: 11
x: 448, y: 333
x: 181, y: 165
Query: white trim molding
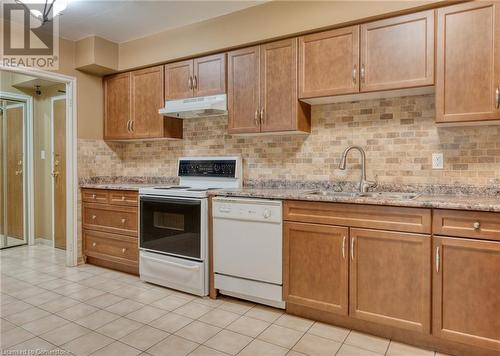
x: 71, y: 155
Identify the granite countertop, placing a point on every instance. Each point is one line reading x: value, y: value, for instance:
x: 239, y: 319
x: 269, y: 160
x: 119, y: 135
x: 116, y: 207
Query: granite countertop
x: 438, y: 201
x: 117, y: 186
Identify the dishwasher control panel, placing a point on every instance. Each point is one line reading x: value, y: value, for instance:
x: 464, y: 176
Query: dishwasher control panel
x: 248, y: 209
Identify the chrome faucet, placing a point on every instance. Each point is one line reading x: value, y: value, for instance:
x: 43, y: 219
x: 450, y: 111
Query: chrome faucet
x: 363, y: 183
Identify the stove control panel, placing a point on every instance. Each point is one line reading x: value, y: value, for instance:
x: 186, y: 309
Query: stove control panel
x: 207, y: 168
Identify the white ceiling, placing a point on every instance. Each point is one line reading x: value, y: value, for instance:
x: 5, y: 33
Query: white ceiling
x: 121, y: 21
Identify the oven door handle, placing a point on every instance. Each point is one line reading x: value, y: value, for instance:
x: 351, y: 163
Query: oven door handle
x: 169, y: 200
x: 172, y: 263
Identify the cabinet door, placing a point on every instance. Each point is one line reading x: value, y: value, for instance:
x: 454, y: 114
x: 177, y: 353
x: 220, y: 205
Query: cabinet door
x: 147, y: 99
x: 398, y: 52
x: 329, y: 63
x: 279, y: 86
x: 117, y: 107
x: 468, y: 55
x: 179, y: 80
x: 210, y: 75
x: 243, y: 90
x: 316, y: 265
x: 466, y: 291
x: 390, y: 278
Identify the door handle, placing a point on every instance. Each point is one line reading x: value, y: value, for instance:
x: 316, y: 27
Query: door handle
x: 354, y: 74
x: 19, y: 172
x: 438, y: 259
x: 195, y: 82
x: 190, y: 82
x: 343, y: 247
x: 132, y: 125
x: 262, y: 115
x: 362, y: 73
x: 55, y: 174
x: 256, y: 117
x: 352, y: 248
x: 497, y: 97
x: 128, y: 125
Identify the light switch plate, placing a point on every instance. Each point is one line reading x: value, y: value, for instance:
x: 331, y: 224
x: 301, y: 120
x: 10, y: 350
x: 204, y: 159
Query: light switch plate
x: 437, y: 161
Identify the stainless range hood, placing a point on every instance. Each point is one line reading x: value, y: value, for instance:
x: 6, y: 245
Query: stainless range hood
x: 192, y: 108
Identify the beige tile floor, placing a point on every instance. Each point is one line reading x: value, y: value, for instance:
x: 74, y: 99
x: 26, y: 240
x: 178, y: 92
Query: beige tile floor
x: 89, y: 310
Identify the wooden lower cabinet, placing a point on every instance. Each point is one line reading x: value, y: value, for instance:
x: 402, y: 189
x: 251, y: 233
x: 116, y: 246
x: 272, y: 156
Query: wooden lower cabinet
x: 466, y: 291
x: 110, y: 229
x: 316, y: 266
x: 390, y: 278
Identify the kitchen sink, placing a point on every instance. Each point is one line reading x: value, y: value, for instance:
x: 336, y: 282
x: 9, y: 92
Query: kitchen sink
x: 379, y: 195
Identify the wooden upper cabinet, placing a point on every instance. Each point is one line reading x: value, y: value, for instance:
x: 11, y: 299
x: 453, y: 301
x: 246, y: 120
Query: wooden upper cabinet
x: 179, y: 80
x: 468, y: 58
x: 316, y: 266
x: 390, y: 278
x: 117, y: 106
x: 466, y: 291
x: 243, y: 90
x: 210, y: 75
x: 329, y: 63
x: 147, y: 94
x: 279, y: 101
x: 262, y: 90
x: 131, y: 104
x: 196, y: 77
x: 397, y: 52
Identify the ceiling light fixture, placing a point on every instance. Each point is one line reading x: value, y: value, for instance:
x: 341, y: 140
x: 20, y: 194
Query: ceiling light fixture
x: 44, y: 10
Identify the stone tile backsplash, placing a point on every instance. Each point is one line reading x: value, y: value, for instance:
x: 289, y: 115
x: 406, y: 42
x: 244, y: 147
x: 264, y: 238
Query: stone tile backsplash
x: 398, y: 134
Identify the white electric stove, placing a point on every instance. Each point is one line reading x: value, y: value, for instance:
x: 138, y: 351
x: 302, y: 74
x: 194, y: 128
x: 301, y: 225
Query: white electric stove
x: 173, y: 237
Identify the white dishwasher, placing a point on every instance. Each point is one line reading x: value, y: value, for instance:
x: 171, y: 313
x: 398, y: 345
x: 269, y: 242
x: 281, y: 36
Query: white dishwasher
x: 248, y: 249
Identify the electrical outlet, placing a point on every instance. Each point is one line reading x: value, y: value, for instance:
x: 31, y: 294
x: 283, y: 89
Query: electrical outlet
x: 437, y: 161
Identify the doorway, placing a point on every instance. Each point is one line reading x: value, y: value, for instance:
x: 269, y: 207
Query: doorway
x: 13, y: 120
x: 60, y: 168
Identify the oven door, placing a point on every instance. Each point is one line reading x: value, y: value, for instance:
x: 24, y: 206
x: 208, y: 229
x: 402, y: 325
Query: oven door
x: 173, y: 226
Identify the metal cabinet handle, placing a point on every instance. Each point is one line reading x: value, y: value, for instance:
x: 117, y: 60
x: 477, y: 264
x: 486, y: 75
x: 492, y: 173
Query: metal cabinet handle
x: 94, y: 217
x: 124, y: 221
x: 476, y: 225
x: 132, y: 125
x: 123, y: 197
x: 354, y: 74
x: 128, y: 125
x: 497, y: 97
x: 195, y: 82
x: 262, y: 115
x: 190, y: 82
x: 94, y: 244
x: 362, y: 73
x: 124, y: 250
x: 343, y: 247
x: 352, y: 248
x: 93, y: 196
x: 438, y: 258
x: 256, y: 117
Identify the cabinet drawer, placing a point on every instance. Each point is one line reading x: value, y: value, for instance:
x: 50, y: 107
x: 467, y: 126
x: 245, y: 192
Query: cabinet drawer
x: 110, y: 246
x: 365, y: 216
x: 123, y: 197
x: 95, y: 195
x: 115, y: 219
x: 474, y: 224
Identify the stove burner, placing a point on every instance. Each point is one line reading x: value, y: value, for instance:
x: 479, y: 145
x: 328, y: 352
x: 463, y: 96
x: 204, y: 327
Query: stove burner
x: 172, y: 187
x: 200, y: 189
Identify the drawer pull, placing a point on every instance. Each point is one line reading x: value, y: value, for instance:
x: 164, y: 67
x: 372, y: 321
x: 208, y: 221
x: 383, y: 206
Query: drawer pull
x: 94, y: 217
x: 124, y: 250
x: 94, y: 244
x: 93, y: 196
x: 123, y: 221
x: 476, y: 225
x: 123, y: 197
